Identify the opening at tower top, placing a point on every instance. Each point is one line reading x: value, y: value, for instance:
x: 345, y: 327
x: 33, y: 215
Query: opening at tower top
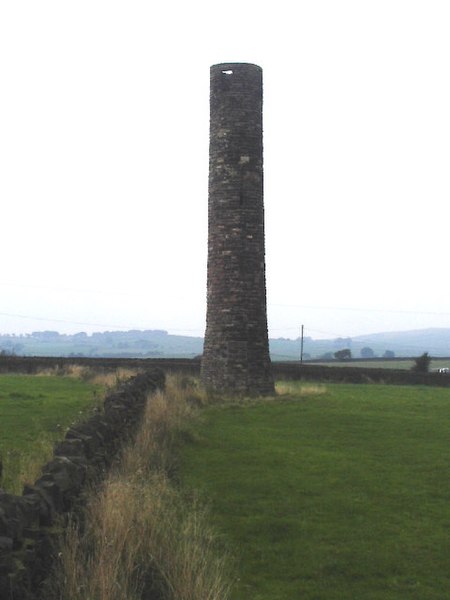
x: 228, y: 72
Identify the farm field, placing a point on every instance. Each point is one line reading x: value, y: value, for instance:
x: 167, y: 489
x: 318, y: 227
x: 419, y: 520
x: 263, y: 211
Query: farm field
x: 34, y: 412
x: 329, y: 492
x: 406, y: 363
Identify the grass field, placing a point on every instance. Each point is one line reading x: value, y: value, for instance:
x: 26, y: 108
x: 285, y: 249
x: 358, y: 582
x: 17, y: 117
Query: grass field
x: 34, y: 412
x: 330, y: 493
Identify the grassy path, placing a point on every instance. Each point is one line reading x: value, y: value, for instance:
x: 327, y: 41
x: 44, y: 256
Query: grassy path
x: 335, y: 494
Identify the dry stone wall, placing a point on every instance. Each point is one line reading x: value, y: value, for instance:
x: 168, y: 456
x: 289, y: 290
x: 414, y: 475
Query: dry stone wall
x: 34, y: 364
x: 27, y: 522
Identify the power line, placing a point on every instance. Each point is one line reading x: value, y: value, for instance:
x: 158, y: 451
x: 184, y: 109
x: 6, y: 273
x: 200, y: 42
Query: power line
x: 356, y: 309
x: 104, y: 325
x: 52, y: 288
x: 68, y: 322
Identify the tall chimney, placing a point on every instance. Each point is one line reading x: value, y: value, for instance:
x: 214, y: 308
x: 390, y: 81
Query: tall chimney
x: 236, y: 349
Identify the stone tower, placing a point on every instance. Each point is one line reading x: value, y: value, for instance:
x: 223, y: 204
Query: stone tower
x: 236, y: 350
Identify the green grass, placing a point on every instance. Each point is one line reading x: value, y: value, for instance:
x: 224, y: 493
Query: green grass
x: 34, y: 412
x: 340, y: 494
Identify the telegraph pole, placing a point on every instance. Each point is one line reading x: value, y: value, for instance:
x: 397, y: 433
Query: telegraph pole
x: 301, y: 345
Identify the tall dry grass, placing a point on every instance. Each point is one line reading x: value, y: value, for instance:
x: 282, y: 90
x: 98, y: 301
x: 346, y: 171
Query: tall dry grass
x: 141, y: 536
x: 106, y: 378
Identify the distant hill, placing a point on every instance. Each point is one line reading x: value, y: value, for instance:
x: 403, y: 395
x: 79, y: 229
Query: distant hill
x: 435, y: 341
x: 160, y: 344
x: 152, y: 343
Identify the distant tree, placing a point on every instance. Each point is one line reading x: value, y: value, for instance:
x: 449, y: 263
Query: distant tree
x: 82, y: 335
x: 389, y: 354
x: 327, y: 356
x: 5, y: 352
x: 367, y: 352
x: 45, y: 336
x: 344, y: 354
x: 422, y: 363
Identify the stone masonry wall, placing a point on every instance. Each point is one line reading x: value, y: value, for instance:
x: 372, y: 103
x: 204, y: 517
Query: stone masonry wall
x: 236, y: 349
x: 27, y: 522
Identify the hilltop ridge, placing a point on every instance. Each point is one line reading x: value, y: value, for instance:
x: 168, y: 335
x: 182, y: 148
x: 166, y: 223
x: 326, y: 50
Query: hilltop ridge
x: 157, y: 343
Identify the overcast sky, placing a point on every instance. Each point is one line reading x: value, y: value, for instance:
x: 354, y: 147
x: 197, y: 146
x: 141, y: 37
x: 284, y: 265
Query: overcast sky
x: 104, y: 116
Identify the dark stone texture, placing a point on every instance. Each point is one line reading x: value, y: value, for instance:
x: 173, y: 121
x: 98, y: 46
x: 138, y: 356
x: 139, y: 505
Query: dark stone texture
x: 236, y: 350
x: 32, y: 364
x: 27, y: 522
x: 6, y: 543
x: 354, y: 374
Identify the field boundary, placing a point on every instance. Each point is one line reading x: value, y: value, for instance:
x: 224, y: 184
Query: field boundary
x: 29, y: 523
x: 281, y: 370
x: 352, y: 374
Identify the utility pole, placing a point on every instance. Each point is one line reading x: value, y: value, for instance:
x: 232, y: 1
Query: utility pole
x: 301, y: 345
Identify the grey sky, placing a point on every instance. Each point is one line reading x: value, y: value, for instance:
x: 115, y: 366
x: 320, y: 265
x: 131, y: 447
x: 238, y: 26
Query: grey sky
x: 104, y: 162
